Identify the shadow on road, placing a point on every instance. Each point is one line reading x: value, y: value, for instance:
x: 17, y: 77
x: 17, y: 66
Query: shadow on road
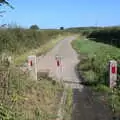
x: 86, y: 105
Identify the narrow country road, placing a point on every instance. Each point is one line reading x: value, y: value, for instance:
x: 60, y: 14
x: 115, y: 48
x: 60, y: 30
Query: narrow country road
x: 85, y: 106
x: 69, y: 60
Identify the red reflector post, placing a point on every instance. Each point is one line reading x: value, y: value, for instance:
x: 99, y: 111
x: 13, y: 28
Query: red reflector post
x: 30, y: 63
x: 58, y: 63
x: 113, y: 69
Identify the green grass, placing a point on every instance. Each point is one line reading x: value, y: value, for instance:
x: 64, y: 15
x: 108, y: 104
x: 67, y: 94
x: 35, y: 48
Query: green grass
x: 93, y: 48
x: 98, y: 56
x: 94, y: 58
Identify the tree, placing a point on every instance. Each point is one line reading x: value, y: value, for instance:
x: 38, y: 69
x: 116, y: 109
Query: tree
x: 5, y: 2
x: 61, y: 28
x: 34, y: 27
x: 2, y: 2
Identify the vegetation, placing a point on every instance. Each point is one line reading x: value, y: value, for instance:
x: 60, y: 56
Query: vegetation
x: 61, y: 28
x: 18, y: 41
x: 22, y: 98
x: 68, y: 105
x: 94, y: 58
x: 107, y: 35
x: 34, y: 27
x: 2, y: 2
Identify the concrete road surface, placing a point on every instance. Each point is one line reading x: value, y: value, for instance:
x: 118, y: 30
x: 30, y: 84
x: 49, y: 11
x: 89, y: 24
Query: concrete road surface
x: 68, y: 61
x: 85, y: 107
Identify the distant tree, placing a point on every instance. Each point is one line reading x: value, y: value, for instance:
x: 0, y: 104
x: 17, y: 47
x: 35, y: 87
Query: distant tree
x: 61, y: 28
x: 34, y: 27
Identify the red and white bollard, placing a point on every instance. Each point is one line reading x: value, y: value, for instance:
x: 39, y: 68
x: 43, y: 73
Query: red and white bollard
x: 32, y: 66
x: 112, y: 73
x: 30, y: 63
x: 59, y: 66
x: 58, y: 61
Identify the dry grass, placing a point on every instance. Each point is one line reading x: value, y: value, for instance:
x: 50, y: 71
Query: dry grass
x: 39, y: 51
x: 28, y: 99
x: 68, y: 105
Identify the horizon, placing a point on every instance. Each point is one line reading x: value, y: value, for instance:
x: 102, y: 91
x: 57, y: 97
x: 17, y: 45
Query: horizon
x: 16, y: 26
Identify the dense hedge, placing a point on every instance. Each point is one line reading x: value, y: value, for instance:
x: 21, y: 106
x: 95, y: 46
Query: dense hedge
x: 108, y: 35
x: 111, y: 36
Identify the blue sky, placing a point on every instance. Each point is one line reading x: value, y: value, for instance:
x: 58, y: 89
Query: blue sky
x: 67, y: 13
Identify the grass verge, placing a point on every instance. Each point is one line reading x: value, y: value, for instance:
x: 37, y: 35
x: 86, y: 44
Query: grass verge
x: 26, y: 99
x: 67, y: 115
x: 94, y: 58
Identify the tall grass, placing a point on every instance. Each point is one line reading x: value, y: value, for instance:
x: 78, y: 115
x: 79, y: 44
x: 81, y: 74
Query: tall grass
x: 18, y: 40
x: 22, y: 98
